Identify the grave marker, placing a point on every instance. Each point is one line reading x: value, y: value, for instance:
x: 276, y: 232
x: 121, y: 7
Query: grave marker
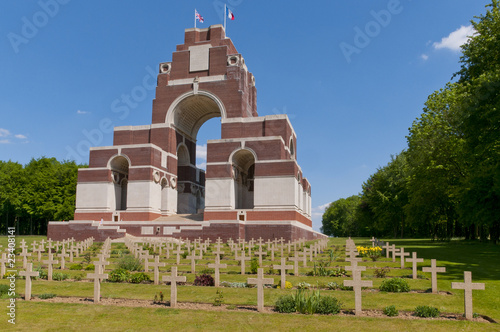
x: 468, y: 286
x: 414, y: 260
x: 260, y: 281
x: 156, y: 267
x: 434, y: 270
x: 97, y: 276
x: 283, y: 269
x: 173, y: 279
x: 28, y: 274
x: 402, y: 254
x: 49, y: 262
x: 216, y: 267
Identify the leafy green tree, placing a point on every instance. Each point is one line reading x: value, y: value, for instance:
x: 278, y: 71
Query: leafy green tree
x: 340, y: 218
x: 479, y: 78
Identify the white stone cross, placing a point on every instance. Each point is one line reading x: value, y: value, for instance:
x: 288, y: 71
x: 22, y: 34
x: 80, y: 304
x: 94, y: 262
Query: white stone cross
x: 356, y: 283
x: 193, y: 257
x: 468, y: 286
x: 23, y: 245
x: 414, y: 260
x: 25, y: 255
x: 260, y: 281
x: 173, y: 279
x: 393, y: 251
x: 156, y: 266
x: 178, y: 252
x: 295, y: 261
x: 261, y: 253
x: 39, y: 252
x: 146, y: 256
x: 434, y: 270
x: 218, y: 252
x: 373, y: 241
x: 3, y: 261
x: 402, y: 254
x: 272, y: 248
x: 216, y: 267
x: 304, y: 257
x: 97, y: 276
x: 283, y: 267
x: 243, y: 259
x: 28, y: 274
x: 63, y: 255
x: 49, y: 262
x: 386, y: 247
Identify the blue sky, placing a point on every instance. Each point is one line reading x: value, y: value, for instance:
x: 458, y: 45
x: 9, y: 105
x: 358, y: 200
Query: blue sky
x: 351, y: 75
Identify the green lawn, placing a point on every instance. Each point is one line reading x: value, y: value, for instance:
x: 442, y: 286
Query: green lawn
x: 457, y: 256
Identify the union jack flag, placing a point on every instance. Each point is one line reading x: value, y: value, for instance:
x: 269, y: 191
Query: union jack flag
x: 198, y: 17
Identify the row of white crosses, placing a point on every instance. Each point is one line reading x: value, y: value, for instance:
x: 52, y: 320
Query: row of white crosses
x: 29, y: 273
x: 467, y: 285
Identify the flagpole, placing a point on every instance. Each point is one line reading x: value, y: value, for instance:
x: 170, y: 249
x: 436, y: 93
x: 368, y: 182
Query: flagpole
x: 195, y: 18
x: 225, y: 10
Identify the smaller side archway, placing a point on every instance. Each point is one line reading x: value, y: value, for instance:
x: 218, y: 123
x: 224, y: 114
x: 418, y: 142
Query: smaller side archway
x: 119, y: 166
x: 243, y: 167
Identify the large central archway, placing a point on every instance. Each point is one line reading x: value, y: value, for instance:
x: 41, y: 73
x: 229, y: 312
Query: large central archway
x: 186, y: 115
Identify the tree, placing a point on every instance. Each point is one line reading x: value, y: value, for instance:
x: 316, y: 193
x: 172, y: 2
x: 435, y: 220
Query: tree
x: 339, y: 218
x: 479, y: 78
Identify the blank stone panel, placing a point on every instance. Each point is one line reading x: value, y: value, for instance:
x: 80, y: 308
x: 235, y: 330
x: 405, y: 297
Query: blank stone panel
x: 199, y: 57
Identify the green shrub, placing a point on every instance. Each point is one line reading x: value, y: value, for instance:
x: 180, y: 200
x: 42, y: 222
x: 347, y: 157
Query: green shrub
x: 285, y: 304
x: 426, y: 311
x: 395, y: 285
x: 382, y: 272
x: 139, y: 277
x: 79, y: 277
x: 90, y: 267
x: 219, y: 298
x: 332, y: 285
x: 87, y: 258
x: 119, y: 275
x: 4, y: 289
x: 306, y: 302
x: 303, y: 285
x: 338, y: 272
x: 234, y: 284
x: 328, y: 305
x: 129, y: 263
x: 76, y: 267
x: 254, y: 265
x: 391, y: 311
x: 59, y: 276
x: 204, y: 280
x: 46, y: 296
x: 42, y: 272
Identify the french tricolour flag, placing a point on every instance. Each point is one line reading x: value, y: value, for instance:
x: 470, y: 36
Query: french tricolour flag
x: 230, y: 14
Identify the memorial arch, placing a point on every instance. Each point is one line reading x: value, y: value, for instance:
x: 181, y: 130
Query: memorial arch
x: 253, y: 185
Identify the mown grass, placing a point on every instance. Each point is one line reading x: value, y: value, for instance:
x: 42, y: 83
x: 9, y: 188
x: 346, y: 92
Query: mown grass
x: 457, y: 256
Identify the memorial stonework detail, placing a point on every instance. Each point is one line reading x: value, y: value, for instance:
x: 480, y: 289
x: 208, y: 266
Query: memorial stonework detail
x: 253, y: 185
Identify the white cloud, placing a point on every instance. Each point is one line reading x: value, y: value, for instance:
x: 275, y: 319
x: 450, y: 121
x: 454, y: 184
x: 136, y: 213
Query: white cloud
x: 82, y: 112
x: 20, y: 136
x: 4, y: 132
x: 456, y: 39
x: 4, y: 141
x: 424, y: 57
x: 319, y: 210
x: 201, y: 152
x: 201, y: 156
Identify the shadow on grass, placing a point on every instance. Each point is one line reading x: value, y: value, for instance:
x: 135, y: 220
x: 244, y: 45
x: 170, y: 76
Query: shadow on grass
x: 482, y: 259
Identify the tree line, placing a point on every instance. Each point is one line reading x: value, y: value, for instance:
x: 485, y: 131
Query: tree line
x: 32, y: 195
x: 446, y: 183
